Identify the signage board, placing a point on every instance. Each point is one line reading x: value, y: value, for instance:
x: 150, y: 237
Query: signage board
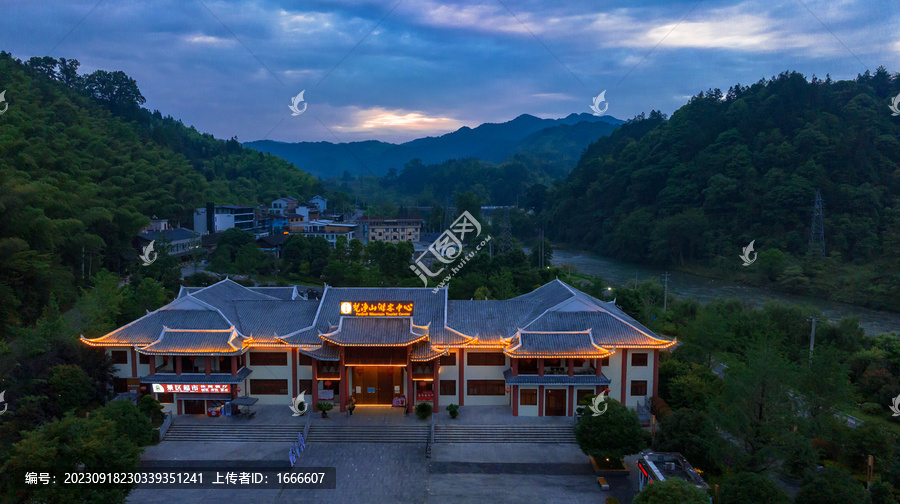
x: 192, y: 388
x: 377, y: 308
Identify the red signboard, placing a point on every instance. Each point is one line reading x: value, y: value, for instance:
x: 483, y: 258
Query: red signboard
x: 193, y: 388
x: 377, y: 309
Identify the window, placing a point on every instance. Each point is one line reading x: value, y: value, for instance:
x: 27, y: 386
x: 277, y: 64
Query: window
x: 119, y: 356
x: 166, y: 398
x: 604, y: 361
x: 120, y: 385
x: 143, y: 359
x: 304, y: 360
x: 639, y: 387
x: 448, y: 360
x: 486, y: 387
x: 268, y: 359
x: 268, y: 387
x: 448, y: 387
x: 528, y: 397
x: 305, y: 386
x: 639, y: 359
x: 486, y: 359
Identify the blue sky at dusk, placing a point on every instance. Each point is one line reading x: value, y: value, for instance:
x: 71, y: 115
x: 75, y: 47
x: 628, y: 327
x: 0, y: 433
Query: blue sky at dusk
x: 396, y: 71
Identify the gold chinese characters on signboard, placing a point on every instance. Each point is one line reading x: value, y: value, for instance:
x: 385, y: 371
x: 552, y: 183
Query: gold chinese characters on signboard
x: 377, y: 308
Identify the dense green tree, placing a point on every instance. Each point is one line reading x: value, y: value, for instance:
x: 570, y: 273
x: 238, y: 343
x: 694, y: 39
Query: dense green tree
x: 671, y: 491
x: 71, y: 387
x: 612, y: 435
x: 693, y: 434
x: 751, y: 488
x: 131, y: 423
x: 832, y: 486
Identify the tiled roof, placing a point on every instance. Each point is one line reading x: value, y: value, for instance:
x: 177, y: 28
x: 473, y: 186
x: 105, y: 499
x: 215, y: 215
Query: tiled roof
x: 196, y: 342
x: 607, y: 330
x: 284, y: 293
x: 374, y: 331
x: 555, y: 344
x: 423, y: 351
x: 213, y: 378
x: 146, y: 329
x: 263, y: 320
x: 323, y: 352
x: 489, y: 321
x: 554, y: 379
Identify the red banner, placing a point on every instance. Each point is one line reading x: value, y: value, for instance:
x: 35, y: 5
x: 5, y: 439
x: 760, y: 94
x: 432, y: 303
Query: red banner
x: 193, y: 388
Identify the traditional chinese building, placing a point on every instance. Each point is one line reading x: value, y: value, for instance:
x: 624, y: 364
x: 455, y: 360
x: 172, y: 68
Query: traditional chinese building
x: 537, y: 353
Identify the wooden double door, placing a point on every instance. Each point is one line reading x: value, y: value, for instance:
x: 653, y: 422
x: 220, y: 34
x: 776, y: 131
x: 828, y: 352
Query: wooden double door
x: 375, y: 384
x: 555, y: 402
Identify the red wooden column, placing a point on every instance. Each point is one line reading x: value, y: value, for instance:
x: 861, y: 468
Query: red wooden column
x: 656, y: 372
x: 343, y: 387
x: 598, y: 363
x: 133, y: 363
x: 515, y: 400
x: 410, y: 389
x: 296, y: 384
x: 436, y: 383
x: 541, y: 399
x: 571, y: 398
x: 208, y: 364
x: 462, y: 376
x: 179, y: 406
x: 152, y: 364
x: 540, y: 367
x: 315, y: 382
x: 177, y: 364
x: 515, y: 366
x: 624, y: 369
x: 571, y: 367
x: 234, y: 365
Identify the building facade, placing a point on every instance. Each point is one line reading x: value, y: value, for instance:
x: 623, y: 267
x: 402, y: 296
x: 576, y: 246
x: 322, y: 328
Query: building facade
x: 536, y: 354
x: 390, y: 230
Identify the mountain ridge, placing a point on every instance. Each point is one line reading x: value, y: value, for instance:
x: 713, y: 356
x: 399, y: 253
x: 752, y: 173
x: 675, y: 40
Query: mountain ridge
x: 492, y: 142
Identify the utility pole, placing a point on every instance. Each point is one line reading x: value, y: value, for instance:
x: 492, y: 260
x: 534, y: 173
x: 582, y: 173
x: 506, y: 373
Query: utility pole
x: 812, y: 338
x: 666, y: 295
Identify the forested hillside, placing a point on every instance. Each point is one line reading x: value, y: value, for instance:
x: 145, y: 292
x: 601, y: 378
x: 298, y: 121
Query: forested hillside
x: 728, y: 168
x: 83, y: 167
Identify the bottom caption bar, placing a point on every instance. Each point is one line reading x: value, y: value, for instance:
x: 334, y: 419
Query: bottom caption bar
x: 322, y: 478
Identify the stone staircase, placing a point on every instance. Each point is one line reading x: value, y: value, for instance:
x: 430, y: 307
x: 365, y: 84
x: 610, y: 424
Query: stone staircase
x: 368, y: 433
x: 504, y: 434
x: 233, y: 433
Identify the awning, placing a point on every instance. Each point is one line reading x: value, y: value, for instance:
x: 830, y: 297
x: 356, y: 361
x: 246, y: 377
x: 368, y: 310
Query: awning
x: 213, y: 378
x: 244, y: 401
x: 202, y: 397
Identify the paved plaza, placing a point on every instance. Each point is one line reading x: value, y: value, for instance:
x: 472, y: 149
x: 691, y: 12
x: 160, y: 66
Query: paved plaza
x: 397, y: 472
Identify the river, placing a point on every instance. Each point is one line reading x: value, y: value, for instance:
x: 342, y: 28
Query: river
x: 704, y: 289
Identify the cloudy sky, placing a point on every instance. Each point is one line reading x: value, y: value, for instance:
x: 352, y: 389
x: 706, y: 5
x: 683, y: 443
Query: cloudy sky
x: 394, y: 71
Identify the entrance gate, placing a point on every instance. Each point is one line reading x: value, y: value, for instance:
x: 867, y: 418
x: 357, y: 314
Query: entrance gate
x: 376, y: 384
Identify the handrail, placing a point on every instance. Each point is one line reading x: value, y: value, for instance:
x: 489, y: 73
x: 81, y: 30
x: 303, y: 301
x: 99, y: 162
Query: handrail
x: 165, y: 425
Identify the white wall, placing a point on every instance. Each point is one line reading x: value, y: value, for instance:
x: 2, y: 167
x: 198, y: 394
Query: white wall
x: 638, y: 373
x: 449, y: 373
x: 485, y: 373
x: 614, y: 372
x: 270, y: 373
x: 527, y: 410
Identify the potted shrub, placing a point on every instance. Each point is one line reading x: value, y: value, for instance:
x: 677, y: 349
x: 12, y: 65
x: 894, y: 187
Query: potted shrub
x: 324, y: 407
x: 423, y: 410
x: 454, y: 410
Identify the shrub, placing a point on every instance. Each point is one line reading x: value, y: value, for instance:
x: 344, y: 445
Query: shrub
x: 832, y: 486
x: 151, y: 407
x: 454, y: 410
x: 752, y: 488
x: 659, y: 407
x: 324, y: 406
x: 612, y: 500
x: 871, y: 408
x: 671, y: 491
x: 423, y: 410
x: 612, y: 435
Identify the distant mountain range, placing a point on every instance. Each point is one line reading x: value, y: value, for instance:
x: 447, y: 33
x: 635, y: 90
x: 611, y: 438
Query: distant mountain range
x: 553, y: 140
